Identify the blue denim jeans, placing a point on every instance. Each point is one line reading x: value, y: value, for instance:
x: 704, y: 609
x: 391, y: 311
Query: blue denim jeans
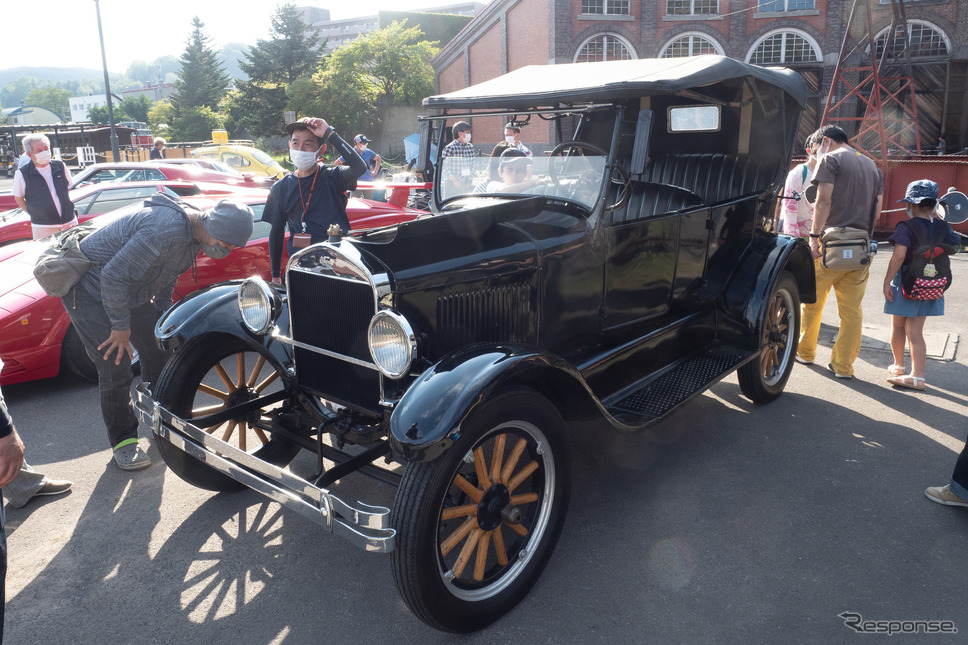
x: 114, y: 381
x: 959, y: 477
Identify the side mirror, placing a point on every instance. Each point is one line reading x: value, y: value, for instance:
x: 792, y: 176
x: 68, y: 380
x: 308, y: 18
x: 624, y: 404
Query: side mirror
x: 955, y: 206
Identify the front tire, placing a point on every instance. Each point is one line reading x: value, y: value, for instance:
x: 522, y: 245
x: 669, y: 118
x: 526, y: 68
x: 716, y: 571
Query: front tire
x: 195, y: 383
x: 476, y: 526
x: 763, y: 379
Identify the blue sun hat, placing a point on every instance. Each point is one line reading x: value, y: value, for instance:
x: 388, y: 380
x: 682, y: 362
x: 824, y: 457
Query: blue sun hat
x: 920, y: 190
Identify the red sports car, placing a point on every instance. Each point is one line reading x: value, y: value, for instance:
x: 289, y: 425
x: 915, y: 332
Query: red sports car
x: 152, y: 171
x: 36, y: 337
x: 96, y: 199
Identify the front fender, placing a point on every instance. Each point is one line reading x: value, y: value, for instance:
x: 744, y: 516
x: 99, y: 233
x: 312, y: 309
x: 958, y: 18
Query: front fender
x: 428, y: 418
x: 215, y: 309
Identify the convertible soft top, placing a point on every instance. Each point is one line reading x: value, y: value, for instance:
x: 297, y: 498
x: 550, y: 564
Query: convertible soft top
x: 549, y: 85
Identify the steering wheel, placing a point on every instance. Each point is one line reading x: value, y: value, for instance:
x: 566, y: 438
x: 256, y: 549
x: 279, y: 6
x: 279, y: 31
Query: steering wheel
x: 586, y: 175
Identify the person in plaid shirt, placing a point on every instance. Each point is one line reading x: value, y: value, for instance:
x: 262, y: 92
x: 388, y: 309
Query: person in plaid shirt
x: 458, y: 174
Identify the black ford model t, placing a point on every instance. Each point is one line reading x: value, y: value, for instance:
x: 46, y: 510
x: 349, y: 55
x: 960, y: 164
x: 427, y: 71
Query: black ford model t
x: 613, y: 276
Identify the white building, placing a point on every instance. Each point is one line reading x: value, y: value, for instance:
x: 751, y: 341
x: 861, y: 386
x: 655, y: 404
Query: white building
x: 81, y: 104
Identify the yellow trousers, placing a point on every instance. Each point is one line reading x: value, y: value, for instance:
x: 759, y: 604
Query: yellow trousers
x: 849, y: 287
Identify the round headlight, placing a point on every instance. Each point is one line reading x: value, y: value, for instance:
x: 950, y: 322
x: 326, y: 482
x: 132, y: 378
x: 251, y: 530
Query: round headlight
x: 392, y: 343
x: 256, y: 305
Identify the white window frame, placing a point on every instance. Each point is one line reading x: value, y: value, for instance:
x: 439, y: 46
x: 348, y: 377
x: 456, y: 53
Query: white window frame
x: 606, y: 12
x: 624, y: 41
x: 692, y: 10
x: 810, y: 40
x: 693, y: 34
x: 923, y: 23
x: 785, y: 7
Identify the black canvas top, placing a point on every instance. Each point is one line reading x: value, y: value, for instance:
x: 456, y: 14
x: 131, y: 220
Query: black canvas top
x: 548, y: 85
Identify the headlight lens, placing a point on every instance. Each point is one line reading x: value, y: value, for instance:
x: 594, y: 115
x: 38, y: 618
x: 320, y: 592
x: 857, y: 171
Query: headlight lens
x: 392, y: 343
x: 256, y: 304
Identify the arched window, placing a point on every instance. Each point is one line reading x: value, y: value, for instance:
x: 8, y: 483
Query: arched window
x: 783, y: 48
x: 925, y: 41
x: 692, y: 44
x: 604, y: 47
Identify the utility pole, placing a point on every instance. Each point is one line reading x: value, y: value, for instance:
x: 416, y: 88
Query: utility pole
x: 115, y: 152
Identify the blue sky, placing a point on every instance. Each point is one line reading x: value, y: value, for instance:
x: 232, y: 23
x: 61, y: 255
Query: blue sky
x: 144, y: 31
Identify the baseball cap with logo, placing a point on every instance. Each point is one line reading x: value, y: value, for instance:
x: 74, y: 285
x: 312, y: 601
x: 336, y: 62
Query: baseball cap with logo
x: 920, y: 190
x: 361, y: 138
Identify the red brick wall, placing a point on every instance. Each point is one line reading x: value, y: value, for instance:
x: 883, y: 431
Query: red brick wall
x: 528, y: 34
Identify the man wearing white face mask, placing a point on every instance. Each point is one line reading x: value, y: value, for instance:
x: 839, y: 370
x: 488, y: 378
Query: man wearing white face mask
x: 372, y: 159
x: 311, y: 199
x: 40, y: 189
x: 457, y: 161
x: 512, y: 140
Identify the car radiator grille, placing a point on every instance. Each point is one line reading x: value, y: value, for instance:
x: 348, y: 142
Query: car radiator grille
x: 333, y: 315
x: 486, y: 315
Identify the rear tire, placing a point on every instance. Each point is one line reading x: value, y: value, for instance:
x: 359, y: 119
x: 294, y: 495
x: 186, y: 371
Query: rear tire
x: 763, y: 379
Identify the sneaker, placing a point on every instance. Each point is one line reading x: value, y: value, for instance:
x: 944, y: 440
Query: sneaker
x: 802, y: 361
x: 130, y: 456
x: 830, y: 368
x: 943, y: 495
x: 55, y: 487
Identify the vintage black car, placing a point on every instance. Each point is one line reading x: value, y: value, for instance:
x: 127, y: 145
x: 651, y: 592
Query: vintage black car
x: 623, y: 270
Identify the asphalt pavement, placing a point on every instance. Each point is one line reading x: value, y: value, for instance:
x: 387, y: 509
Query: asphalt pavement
x: 726, y: 523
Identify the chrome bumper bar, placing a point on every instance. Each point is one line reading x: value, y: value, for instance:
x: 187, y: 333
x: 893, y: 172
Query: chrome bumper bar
x: 366, y: 526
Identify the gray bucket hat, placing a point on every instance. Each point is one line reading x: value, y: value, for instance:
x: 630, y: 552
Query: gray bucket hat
x: 918, y: 191
x: 229, y: 221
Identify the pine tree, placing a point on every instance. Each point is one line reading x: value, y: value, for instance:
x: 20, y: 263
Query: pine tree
x: 202, y: 81
x: 272, y: 65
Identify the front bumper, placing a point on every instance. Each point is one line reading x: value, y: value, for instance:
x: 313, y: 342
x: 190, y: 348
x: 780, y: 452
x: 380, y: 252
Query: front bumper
x: 366, y: 526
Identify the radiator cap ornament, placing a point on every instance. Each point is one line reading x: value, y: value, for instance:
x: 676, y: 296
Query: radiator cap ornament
x: 335, y: 234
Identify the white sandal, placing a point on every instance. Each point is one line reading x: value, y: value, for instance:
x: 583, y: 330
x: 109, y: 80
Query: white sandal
x: 910, y: 382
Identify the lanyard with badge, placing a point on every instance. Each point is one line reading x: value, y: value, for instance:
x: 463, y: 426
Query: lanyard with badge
x: 304, y: 239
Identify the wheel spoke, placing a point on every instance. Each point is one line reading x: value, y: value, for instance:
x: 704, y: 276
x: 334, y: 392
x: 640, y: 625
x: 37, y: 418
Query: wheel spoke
x: 521, y: 476
x: 527, y: 498
x: 468, y: 488
x: 517, y: 528
x: 502, y: 554
x: 240, y: 368
x: 467, y: 510
x: 482, y: 556
x: 267, y: 382
x: 466, y: 552
x: 497, y: 457
x: 206, y: 410
x: 259, y: 364
x: 513, y: 459
x: 242, y: 426
x: 480, y: 465
x: 262, y: 435
x: 211, y: 391
x: 224, y: 376
x: 457, y: 535
x: 229, y: 428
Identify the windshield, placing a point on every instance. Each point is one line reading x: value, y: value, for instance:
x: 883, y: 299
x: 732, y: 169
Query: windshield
x: 574, y: 175
x: 262, y: 157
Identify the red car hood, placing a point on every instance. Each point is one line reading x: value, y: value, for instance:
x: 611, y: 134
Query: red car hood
x: 17, y: 284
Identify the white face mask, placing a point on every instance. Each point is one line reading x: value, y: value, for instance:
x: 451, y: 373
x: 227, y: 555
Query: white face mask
x: 303, y: 159
x: 510, y: 139
x: 364, y: 147
x: 910, y: 213
x: 823, y: 149
x: 42, y: 158
x: 465, y: 137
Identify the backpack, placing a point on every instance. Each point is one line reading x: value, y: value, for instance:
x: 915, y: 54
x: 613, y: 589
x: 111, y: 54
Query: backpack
x: 928, y: 275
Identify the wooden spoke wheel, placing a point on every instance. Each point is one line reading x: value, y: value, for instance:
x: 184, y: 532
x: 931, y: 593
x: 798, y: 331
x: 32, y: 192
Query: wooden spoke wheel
x: 212, y: 374
x: 477, y: 525
x: 763, y: 379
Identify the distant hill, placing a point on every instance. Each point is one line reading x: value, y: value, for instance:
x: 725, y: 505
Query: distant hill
x: 53, y: 74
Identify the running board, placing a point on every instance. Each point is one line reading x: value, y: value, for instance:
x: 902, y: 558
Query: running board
x: 656, y: 396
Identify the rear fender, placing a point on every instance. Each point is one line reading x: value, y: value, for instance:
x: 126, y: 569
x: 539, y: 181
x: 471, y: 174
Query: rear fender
x: 428, y: 419
x: 769, y: 256
x: 215, y: 310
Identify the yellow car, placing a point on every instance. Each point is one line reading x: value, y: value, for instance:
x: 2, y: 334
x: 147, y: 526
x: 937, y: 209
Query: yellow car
x: 244, y: 159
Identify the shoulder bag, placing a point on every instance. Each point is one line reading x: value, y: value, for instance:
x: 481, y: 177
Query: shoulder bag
x: 62, y: 264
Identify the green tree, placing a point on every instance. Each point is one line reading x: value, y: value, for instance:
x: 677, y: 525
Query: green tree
x: 202, y: 81
x: 13, y: 93
x: 160, y: 117
x: 135, y: 108
x: 272, y: 65
x: 98, y: 114
x: 195, y: 124
x: 53, y: 98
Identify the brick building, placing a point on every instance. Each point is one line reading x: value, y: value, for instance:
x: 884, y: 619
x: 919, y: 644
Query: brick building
x: 805, y: 35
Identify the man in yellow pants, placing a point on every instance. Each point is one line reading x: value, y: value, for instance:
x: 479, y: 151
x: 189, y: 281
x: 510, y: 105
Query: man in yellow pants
x: 850, y: 189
